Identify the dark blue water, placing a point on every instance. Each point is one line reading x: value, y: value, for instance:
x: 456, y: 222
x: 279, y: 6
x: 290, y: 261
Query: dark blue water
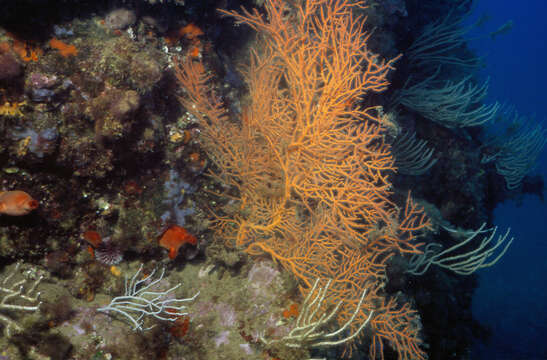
x: 512, y: 296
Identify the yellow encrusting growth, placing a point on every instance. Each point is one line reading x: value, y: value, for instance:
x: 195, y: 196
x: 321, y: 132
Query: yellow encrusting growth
x: 116, y: 271
x: 12, y: 109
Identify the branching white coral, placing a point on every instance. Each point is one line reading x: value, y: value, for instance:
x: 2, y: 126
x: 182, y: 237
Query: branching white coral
x: 139, y: 301
x: 450, y: 104
x: 480, y: 256
x: 412, y: 156
x: 310, y: 327
x: 17, y: 297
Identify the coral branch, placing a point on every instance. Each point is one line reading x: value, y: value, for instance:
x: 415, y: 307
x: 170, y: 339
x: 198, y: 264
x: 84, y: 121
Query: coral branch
x: 139, y: 301
x: 309, y: 329
x: 307, y: 164
x: 17, y: 298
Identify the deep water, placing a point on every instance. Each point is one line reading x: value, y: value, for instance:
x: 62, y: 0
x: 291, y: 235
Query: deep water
x: 512, y: 295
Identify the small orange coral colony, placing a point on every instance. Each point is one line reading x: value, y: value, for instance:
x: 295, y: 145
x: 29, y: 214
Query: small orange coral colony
x: 174, y: 237
x: 64, y: 49
x: 195, y: 52
x: 16, y: 203
x: 12, y: 109
x: 189, y: 31
x: 291, y: 311
x: 25, y: 50
x: 180, y: 327
x: 92, y: 237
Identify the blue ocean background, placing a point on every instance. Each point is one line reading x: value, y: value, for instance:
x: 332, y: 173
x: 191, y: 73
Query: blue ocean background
x: 512, y: 295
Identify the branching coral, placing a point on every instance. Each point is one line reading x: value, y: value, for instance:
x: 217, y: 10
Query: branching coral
x: 142, y: 300
x: 309, y: 329
x: 450, y: 104
x: 17, y: 297
x: 516, y: 152
x: 309, y: 164
x: 439, y: 42
x: 484, y: 255
x: 412, y: 156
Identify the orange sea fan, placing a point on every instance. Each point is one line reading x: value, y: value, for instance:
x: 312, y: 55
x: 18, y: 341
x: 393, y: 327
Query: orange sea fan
x: 308, y: 165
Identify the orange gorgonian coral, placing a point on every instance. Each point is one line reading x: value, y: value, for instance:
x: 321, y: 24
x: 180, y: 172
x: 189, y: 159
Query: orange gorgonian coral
x: 309, y: 162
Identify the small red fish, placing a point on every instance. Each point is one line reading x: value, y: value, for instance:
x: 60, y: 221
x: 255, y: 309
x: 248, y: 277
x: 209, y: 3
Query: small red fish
x: 174, y: 237
x: 16, y: 203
